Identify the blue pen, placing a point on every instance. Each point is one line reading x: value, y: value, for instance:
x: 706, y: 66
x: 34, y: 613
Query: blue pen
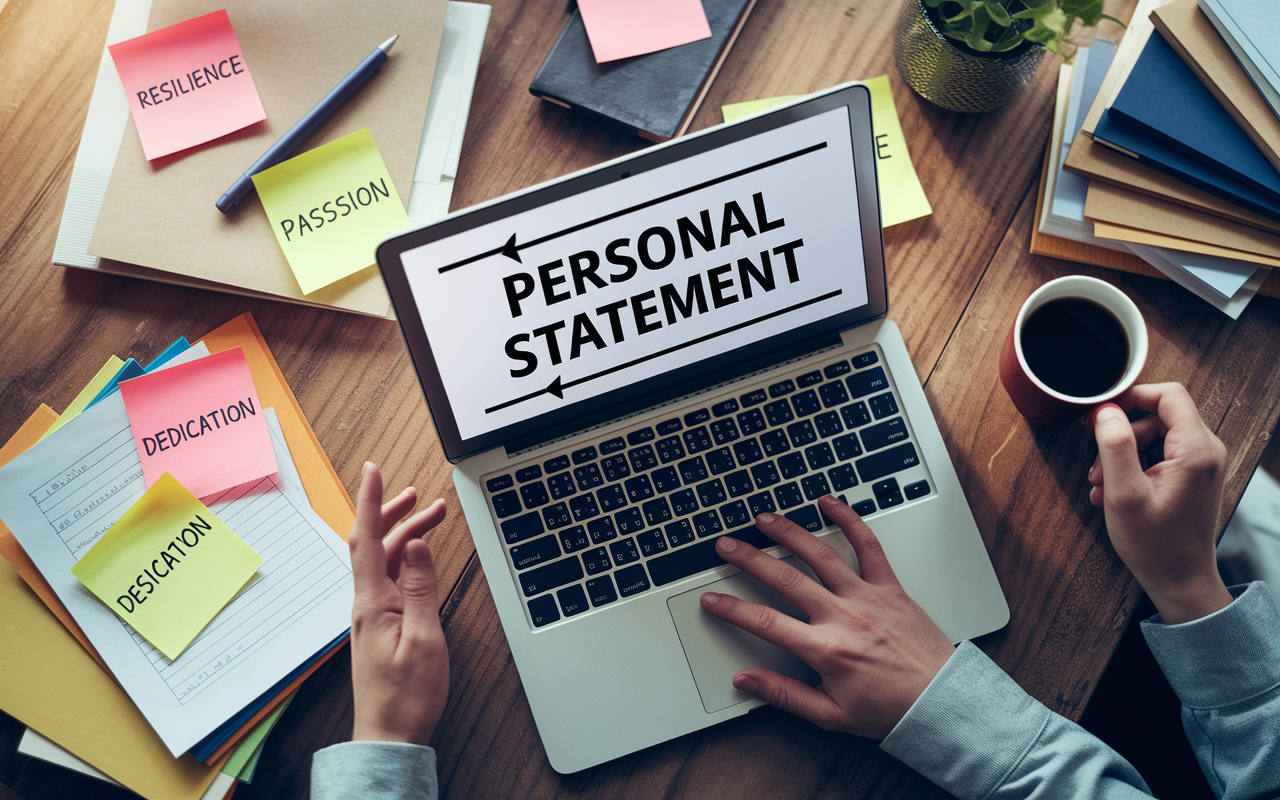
x: 313, y: 119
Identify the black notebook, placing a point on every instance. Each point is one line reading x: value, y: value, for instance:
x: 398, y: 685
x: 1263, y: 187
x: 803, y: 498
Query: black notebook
x: 654, y: 95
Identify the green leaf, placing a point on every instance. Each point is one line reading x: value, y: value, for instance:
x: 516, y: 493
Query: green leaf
x: 999, y: 15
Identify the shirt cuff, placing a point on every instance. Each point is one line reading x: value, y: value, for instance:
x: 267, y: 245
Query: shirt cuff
x: 373, y: 770
x: 1227, y: 657
x: 969, y: 728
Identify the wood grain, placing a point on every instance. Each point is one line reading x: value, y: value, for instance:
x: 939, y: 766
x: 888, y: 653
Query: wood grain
x: 956, y: 279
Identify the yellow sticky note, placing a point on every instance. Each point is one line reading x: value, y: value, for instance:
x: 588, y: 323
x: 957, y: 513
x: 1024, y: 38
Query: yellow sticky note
x: 168, y: 566
x: 329, y: 208
x: 901, y: 195
x: 87, y: 394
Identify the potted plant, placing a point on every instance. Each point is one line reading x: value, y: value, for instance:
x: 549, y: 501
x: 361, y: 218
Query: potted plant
x: 975, y: 55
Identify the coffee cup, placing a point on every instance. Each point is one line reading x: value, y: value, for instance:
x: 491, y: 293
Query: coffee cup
x: 1076, y: 343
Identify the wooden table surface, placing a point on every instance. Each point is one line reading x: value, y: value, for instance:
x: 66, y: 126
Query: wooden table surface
x: 956, y: 279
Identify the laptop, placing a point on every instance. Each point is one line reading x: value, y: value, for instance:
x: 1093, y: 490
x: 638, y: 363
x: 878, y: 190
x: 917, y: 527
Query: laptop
x: 629, y: 362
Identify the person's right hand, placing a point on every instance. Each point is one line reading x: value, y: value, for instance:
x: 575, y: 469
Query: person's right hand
x: 1163, y: 520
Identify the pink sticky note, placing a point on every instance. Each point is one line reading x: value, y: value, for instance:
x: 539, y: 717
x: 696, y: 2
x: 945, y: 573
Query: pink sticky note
x: 624, y: 28
x: 187, y: 84
x: 202, y: 422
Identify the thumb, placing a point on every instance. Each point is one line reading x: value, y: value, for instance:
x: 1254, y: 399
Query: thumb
x: 790, y: 695
x: 1117, y: 450
x: 418, y: 587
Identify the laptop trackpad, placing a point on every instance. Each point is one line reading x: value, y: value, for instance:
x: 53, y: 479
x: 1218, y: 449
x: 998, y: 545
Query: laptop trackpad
x: 716, y: 650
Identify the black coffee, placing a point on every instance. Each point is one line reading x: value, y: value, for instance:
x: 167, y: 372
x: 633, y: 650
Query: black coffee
x: 1075, y: 347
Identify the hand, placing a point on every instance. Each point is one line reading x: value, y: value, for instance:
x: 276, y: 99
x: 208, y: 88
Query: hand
x: 399, y: 661
x: 1163, y: 520
x: 875, y: 649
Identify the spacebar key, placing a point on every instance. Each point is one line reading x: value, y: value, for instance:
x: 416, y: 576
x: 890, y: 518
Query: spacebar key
x: 698, y: 557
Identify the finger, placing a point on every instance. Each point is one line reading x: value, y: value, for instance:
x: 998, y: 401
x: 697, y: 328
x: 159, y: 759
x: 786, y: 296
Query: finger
x: 397, y: 507
x: 873, y: 565
x: 1146, y: 432
x: 368, y: 558
x: 1118, y: 451
x: 783, y: 578
x: 790, y: 695
x: 821, y: 557
x: 1095, y: 496
x: 1169, y: 401
x: 418, y: 588
x: 412, y: 528
x: 767, y: 623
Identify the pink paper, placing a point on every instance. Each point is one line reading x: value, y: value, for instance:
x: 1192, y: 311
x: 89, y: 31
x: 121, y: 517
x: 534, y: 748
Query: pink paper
x: 187, y: 84
x: 624, y: 28
x: 202, y: 422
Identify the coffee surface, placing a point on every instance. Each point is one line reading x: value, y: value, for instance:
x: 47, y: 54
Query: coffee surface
x: 1075, y: 347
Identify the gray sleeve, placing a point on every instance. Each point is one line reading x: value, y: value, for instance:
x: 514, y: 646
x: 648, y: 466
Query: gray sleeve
x: 1225, y: 669
x: 374, y: 771
x: 977, y: 734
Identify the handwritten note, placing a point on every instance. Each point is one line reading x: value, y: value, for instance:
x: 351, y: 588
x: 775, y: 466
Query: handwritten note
x: 202, y: 422
x: 330, y: 207
x: 625, y: 28
x: 187, y: 84
x: 901, y: 195
x: 167, y: 566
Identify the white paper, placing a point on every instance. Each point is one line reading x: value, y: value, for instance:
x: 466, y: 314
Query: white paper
x: 1200, y: 274
x: 59, y: 497
x: 37, y: 746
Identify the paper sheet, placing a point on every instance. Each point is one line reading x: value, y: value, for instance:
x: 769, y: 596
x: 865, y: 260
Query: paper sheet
x: 1204, y: 278
x: 187, y: 84
x: 901, y: 195
x: 60, y: 497
x: 130, y: 370
x: 329, y: 208
x: 202, y: 422
x: 625, y: 28
x: 90, y: 391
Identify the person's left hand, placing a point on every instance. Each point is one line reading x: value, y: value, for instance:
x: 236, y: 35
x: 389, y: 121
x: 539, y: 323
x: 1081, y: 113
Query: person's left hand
x: 399, y: 660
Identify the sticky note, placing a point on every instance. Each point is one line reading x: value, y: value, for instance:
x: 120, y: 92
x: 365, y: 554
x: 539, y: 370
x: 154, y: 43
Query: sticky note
x: 329, y: 208
x: 168, y: 566
x: 901, y: 195
x: 625, y: 28
x: 202, y: 422
x: 187, y: 84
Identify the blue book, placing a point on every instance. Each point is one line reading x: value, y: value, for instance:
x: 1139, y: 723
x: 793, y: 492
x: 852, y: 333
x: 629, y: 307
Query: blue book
x: 1164, y: 99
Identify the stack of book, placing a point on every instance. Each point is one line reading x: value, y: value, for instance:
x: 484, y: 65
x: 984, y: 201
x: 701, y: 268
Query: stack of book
x: 1164, y: 155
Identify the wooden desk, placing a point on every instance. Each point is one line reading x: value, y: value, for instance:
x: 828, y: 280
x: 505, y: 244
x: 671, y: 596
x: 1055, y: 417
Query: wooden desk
x: 956, y: 280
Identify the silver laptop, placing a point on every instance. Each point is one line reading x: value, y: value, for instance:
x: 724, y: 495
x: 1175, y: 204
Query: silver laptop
x: 631, y: 361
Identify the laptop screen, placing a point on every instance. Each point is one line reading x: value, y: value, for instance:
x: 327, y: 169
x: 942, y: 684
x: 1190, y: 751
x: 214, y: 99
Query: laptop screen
x: 568, y: 302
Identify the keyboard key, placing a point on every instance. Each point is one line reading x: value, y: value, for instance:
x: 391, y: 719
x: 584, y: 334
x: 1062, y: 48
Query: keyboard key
x: 533, y: 553
x: 862, y: 384
x: 600, y: 590
x: 668, y: 426
x: 651, y: 543
x: 679, y: 533
x: 669, y: 449
x: 738, y: 483
x: 847, y: 447
x: 697, y: 557
x: 828, y: 424
x: 615, y: 468
x: 806, y: 403
x: 865, y: 508
x: 601, y: 530
x: 747, y: 452
x: 596, y: 561
x: 683, y: 502
x: 499, y: 483
x: 548, y: 577
x: 575, y: 538
x: 588, y: 477
x: 561, y: 485
x: 584, y: 455
x: 753, y: 398
x: 528, y: 473
x: 632, y: 580
x: 865, y: 359
x: 890, y: 500
x: 820, y: 456
x: 629, y: 521
x: 724, y: 431
x: 833, y: 394
x: 665, y: 480
x: 802, y: 433
x: 556, y: 464
x: 843, y: 477
x: 543, y: 611
x: 711, y: 493
x: 697, y: 440
x: 887, y: 462
x: 693, y: 470
x: 885, y: 433
x: 774, y: 443
x: 611, y: 497
x: 640, y: 437
x: 522, y: 527
x: 788, y: 495
x: 765, y: 474
x: 697, y: 417
x: 720, y: 461
x: 792, y: 465
x: 888, y: 486
x: 642, y: 458
x: 884, y: 405
x: 806, y: 518
x: 556, y: 516
x: 856, y: 415
x: 506, y: 504
x: 612, y: 446
x: 814, y: 486
x: 656, y: 512
x: 809, y: 379
x: 534, y: 495
x: 761, y: 503
x: 751, y: 422
x: 917, y: 489
x: 782, y: 387
x: 639, y: 488
x: 778, y: 413
x: 583, y: 507
x: 624, y: 552
x: 573, y: 600
x: 727, y: 407
x: 707, y: 523
x: 836, y: 369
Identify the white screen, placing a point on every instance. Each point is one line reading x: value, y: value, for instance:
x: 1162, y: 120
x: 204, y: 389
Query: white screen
x: 786, y: 233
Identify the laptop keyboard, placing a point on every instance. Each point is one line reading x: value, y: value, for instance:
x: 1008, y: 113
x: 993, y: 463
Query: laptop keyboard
x: 609, y: 520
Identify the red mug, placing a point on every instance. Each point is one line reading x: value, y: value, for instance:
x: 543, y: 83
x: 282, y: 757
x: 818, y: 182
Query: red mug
x: 1031, y: 396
